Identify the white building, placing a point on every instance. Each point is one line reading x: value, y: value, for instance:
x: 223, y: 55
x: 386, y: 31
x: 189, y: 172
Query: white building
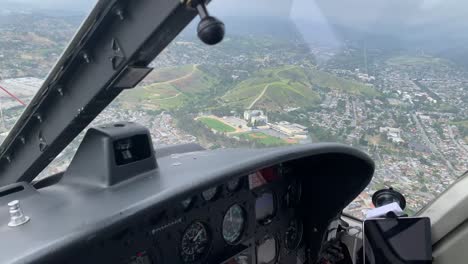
x: 292, y: 130
x: 393, y: 134
x: 256, y: 117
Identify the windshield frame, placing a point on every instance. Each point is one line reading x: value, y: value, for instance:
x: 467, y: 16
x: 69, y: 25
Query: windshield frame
x: 81, y: 84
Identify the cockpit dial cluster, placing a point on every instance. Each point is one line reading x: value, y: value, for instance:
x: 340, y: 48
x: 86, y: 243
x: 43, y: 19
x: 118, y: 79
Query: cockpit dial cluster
x: 252, y: 218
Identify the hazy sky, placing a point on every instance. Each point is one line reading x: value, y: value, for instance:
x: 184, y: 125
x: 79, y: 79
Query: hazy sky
x: 363, y: 14
x: 382, y: 11
x: 359, y: 13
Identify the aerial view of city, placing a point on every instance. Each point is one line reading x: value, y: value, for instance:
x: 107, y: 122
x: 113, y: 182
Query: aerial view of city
x: 270, y: 86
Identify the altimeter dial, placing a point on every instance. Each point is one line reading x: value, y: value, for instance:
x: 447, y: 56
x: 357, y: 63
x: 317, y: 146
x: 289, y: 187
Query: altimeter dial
x: 195, y: 242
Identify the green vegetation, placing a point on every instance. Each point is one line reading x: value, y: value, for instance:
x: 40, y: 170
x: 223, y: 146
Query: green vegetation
x: 216, y: 124
x: 323, y: 135
x: 169, y: 88
x: 284, y: 94
x: 196, y: 82
x: 295, y: 74
x: 324, y: 79
x: 168, y: 74
x: 463, y: 127
x: 417, y: 60
x: 262, y: 138
x: 445, y: 107
x: 277, y: 88
x: 155, y: 96
x: 463, y: 124
x: 273, y: 89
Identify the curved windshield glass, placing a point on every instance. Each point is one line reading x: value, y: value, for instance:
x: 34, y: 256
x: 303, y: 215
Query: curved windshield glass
x: 387, y: 77
x: 33, y: 34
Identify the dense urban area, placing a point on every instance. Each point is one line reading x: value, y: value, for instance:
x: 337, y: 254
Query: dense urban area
x: 407, y: 110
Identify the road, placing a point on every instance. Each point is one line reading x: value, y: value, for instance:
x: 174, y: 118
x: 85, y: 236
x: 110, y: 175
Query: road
x: 355, y: 120
x: 188, y: 75
x: 431, y: 145
x: 167, y: 98
x: 264, y: 90
x: 454, y: 140
x: 259, y: 96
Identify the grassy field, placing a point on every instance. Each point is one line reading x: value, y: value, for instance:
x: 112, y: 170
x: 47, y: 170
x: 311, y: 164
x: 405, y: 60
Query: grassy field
x: 216, y: 124
x: 417, y: 60
x: 168, y: 88
x: 463, y: 123
x: 291, y: 94
x: 294, y: 73
x: 195, y: 83
x: 262, y: 138
x: 328, y: 80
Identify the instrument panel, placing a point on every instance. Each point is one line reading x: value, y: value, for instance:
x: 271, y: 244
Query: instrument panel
x: 254, y: 206
x: 249, y: 219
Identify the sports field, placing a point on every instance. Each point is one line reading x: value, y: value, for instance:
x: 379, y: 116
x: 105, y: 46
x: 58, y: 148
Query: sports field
x: 216, y: 124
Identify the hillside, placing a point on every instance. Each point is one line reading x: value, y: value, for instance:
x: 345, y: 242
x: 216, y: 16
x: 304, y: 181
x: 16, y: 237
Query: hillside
x: 273, y: 89
x: 289, y: 86
x: 324, y: 79
x: 168, y: 88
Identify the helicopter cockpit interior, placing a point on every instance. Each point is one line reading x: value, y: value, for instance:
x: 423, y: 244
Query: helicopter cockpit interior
x: 252, y: 205
x: 122, y: 201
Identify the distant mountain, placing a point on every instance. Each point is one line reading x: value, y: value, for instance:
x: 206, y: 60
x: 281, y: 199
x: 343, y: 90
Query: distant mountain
x: 439, y: 40
x: 273, y: 89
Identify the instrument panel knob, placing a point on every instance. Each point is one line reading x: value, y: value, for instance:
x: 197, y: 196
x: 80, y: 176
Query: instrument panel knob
x: 17, y: 216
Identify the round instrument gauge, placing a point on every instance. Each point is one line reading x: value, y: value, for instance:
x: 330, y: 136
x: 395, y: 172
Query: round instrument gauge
x: 234, y: 184
x: 293, y: 235
x: 187, y: 203
x: 195, y: 242
x: 210, y: 194
x: 233, y: 224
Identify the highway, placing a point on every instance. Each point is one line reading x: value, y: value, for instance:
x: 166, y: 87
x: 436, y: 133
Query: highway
x: 431, y: 145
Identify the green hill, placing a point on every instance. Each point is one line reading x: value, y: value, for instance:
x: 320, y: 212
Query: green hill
x: 273, y: 89
x: 283, y: 94
x: 290, y: 86
x: 168, y: 88
x: 324, y: 79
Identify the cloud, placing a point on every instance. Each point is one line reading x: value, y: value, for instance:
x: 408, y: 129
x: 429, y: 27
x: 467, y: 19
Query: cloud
x: 278, y: 8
